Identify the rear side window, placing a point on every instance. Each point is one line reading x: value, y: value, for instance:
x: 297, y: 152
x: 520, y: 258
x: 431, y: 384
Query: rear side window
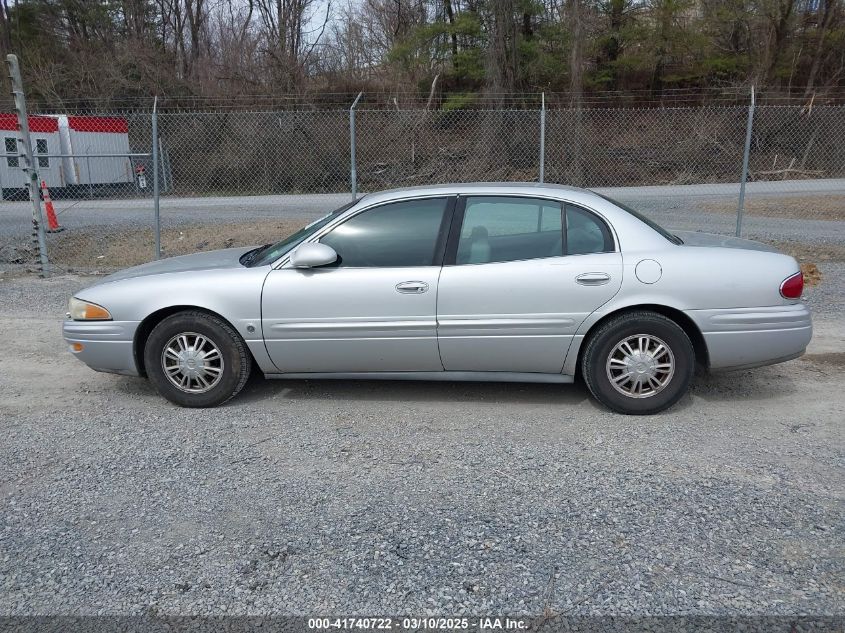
x: 586, y: 232
x: 504, y: 229
x: 393, y: 235
x: 651, y: 223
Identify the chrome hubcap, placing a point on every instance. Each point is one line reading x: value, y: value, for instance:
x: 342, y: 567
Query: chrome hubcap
x: 192, y: 362
x: 640, y: 366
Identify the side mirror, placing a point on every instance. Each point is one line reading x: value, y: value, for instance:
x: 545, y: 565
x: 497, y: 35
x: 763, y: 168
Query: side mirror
x: 312, y: 255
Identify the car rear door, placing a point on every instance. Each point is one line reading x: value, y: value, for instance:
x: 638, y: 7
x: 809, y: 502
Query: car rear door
x: 520, y: 275
x: 375, y: 309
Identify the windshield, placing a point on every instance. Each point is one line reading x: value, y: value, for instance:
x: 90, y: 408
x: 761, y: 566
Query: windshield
x: 271, y: 252
x: 651, y: 223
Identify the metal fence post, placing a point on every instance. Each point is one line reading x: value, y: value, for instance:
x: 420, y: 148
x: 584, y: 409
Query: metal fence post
x: 29, y: 163
x: 741, y: 205
x: 162, y: 158
x: 543, y: 138
x: 353, y: 174
x: 156, y: 207
x: 88, y: 170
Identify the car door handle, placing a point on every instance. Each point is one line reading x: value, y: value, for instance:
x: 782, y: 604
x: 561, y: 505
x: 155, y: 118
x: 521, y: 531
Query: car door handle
x: 412, y: 287
x: 592, y: 279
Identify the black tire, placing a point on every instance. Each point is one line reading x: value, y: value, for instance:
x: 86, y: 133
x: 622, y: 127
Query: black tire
x: 234, y: 366
x: 601, y: 343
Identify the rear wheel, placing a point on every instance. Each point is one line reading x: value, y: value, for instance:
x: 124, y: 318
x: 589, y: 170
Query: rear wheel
x: 638, y: 363
x: 195, y: 359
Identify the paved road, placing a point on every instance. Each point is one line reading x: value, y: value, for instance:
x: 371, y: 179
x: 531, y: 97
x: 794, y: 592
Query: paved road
x: 774, y: 188
x: 677, y: 207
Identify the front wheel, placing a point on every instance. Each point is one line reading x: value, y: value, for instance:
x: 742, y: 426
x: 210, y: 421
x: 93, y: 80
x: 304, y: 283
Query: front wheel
x: 638, y: 363
x: 195, y: 359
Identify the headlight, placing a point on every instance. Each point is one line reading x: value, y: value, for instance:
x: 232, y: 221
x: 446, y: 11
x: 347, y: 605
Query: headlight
x: 83, y: 311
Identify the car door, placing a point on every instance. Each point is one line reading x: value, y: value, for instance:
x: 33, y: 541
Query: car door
x: 520, y: 275
x: 375, y: 308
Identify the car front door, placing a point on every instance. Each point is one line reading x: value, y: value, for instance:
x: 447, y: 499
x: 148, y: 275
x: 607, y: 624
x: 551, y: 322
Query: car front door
x: 520, y: 275
x: 375, y: 308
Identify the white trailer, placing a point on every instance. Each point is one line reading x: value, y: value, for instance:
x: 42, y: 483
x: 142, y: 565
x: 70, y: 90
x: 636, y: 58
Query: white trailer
x: 46, y: 144
x: 83, y: 138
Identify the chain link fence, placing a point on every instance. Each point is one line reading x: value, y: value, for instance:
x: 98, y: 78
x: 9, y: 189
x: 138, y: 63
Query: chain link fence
x: 230, y: 178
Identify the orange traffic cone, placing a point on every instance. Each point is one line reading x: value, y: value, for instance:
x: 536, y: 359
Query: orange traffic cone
x: 52, y: 220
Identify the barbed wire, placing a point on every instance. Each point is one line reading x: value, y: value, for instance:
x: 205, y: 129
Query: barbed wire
x: 383, y: 99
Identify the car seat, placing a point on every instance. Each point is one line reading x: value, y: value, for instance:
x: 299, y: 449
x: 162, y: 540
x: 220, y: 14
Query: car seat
x: 479, y: 246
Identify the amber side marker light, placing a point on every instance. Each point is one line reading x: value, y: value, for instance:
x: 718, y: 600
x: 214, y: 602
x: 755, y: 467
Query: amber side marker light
x: 93, y: 312
x: 77, y: 347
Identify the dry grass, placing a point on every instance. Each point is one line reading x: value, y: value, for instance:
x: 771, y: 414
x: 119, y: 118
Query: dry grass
x: 812, y: 274
x: 83, y: 249
x: 90, y: 250
x: 811, y: 252
x: 826, y: 207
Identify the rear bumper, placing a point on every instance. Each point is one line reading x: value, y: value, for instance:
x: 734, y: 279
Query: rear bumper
x: 740, y: 338
x: 106, y: 345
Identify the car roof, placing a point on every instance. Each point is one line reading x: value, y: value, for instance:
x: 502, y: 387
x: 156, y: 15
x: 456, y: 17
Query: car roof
x: 483, y: 188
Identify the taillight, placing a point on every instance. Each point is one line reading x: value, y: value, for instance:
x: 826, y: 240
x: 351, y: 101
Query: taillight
x: 792, y: 287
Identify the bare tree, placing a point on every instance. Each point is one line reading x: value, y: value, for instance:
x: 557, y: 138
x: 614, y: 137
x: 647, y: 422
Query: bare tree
x: 5, y: 28
x: 285, y: 29
x: 830, y: 9
x: 501, y: 52
x: 778, y: 14
x: 576, y: 87
x: 576, y: 52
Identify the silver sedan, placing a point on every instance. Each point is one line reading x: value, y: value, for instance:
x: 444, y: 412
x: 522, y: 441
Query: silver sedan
x: 492, y: 282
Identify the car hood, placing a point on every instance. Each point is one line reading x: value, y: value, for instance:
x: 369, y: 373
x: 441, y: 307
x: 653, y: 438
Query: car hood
x: 694, y: 238
x: 225, y: 258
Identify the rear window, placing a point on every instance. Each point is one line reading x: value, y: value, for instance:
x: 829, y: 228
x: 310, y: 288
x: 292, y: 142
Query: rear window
x: 650, y: 223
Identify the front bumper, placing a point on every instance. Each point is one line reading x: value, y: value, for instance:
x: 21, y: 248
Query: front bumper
x: 740, y: 338
x: 106, y: 345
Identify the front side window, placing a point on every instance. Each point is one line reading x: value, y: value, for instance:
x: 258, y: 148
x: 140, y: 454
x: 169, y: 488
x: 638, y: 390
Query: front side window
x: 586, y: 232
x: 11, y: 145
x: 504, y: 229
x: 269, y: 253
x: 41, y: 148
x: 393, y: 235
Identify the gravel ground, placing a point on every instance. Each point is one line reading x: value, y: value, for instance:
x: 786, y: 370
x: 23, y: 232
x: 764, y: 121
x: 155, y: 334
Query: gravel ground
x: 379, y: 498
